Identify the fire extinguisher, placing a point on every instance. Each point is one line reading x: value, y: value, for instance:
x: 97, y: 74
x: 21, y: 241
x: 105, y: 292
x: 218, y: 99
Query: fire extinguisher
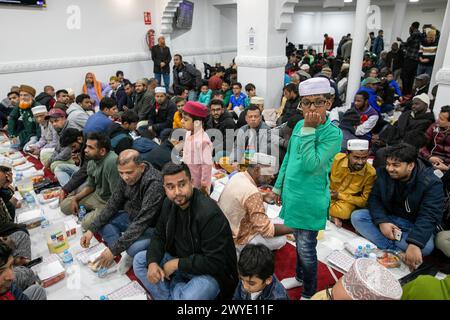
x: 150, y: 38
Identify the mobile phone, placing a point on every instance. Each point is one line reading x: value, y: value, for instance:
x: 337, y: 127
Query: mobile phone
x: 33, y: 262
x: 398, y: 234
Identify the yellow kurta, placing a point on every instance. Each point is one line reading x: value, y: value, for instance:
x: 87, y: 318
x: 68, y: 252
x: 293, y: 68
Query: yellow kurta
x: 353, y: 187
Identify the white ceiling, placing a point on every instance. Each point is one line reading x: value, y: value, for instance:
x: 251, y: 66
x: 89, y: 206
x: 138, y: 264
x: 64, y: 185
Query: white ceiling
x: 319, y: 3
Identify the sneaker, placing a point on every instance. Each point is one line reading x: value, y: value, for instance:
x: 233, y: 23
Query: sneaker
x: 291, y: 283
x: 305, y: 299
x: 125, y: 263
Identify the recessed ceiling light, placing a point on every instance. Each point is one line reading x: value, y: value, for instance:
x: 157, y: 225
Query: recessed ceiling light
x: 413, y: 0
x: 348, y: 1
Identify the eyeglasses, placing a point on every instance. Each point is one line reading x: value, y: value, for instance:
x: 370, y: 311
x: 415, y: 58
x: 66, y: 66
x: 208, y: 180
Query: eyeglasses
x: 318, y: 103
x: 329, y: 292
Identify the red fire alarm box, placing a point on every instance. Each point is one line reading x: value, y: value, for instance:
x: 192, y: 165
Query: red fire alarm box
x: 148, y: 18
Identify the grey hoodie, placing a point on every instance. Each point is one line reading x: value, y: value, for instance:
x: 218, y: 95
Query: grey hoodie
x: 77, y: 116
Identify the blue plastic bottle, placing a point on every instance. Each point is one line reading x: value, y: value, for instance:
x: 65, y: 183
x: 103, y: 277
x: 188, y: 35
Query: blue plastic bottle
x: 82, y: 213
x: 67, y: 257
x: 103, y: 298
x: 367, y: 251
x: 359, y: 252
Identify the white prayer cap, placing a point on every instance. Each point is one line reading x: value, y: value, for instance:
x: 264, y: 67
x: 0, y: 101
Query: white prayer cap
x: 357, y: 145
x: 368, y: 280
x: 263, y: 159
x: 70, y: 91
x: 305, y: 67
x: 268, y: 162
x: 5, y: 162
x: 257, y: 100
x: 425, y: 98
x: 160, y: 90
x: 314, y: 86
x: 38, y: 110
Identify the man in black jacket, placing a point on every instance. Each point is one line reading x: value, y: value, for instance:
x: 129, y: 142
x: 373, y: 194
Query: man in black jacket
x: 127, y: 222
x: 118, y: 93
x: 292, y: 105
x: 405, y: 206
x: 221, y: 121
x: 161, y: 58
x: 192, y: 255
x: 162, y: 154
x: 186, y: 76
x: 119, y: 134
x: 161, y: 113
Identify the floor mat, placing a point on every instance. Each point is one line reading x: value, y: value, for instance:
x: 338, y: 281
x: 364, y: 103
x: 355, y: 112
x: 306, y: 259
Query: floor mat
x: 285, y: 262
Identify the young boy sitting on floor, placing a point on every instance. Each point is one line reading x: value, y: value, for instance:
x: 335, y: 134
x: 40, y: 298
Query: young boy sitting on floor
x: 256, y: 266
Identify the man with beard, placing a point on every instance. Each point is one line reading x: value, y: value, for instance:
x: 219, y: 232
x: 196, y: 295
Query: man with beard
x: 58, y: 120
x: 95, y: 89
x: 103, y: 178
x: 191, y: 255
x: 127, y: 223
x: 351, y: 181
x: 220, y: 119
x: 143, y: 100
x: 21, y: 122
x: 405, y: 206
x: 243, y: 205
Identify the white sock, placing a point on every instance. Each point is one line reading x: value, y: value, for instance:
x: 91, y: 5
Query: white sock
x: 291, y: 283
x: 125, y: 263
x: 306, y: 299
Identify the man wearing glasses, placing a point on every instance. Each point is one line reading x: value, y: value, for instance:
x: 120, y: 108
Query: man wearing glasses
x: 303, y: 183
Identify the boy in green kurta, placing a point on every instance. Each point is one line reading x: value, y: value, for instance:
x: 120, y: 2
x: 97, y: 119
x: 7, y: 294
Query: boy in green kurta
x: 303, y: 182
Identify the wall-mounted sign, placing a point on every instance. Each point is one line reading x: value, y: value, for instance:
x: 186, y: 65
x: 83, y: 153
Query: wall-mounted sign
x: 251, y: 38
x: 148, y: 18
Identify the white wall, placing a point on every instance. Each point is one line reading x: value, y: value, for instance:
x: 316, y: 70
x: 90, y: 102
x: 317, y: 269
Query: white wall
x: 309, y: 27
x: 213, y: 36
x: 111, y: 37
x: 228, y: 32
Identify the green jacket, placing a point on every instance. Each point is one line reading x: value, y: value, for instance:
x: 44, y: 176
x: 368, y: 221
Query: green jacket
x: 303, y: 181
x: 103, y: 175
x: 427, y: 288
x: 25, y: 130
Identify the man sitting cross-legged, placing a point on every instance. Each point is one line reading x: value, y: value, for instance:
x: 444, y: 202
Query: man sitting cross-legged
x: 130, y: 215
x: 405, y: 206
x: 192, y: 254
x: 103, y: 178
x: 243, y: 205
x: 351, y: 181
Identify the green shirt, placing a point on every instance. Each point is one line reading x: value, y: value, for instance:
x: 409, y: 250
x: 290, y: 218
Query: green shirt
x: 103, y: 175
x: 427, y: 288
x: 226, y: 98
x: 303, y: 181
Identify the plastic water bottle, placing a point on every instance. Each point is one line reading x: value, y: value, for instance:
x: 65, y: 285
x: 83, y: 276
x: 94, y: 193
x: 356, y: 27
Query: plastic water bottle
x: 367, y: 251
x: 45, y: 223
x: 19, y: 176
x: 67, y: 257
x: 359, y: 252
x: 103, y: 298
x: 31, y: 202
x: 81, y: 213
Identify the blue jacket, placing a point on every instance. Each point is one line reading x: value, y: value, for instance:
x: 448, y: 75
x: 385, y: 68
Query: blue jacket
x: 99, y: 122
x: 378, y: 45
x: 424, y: 202
x: 395, y: 85
x: 372, y: 98
x: 274, y: 291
